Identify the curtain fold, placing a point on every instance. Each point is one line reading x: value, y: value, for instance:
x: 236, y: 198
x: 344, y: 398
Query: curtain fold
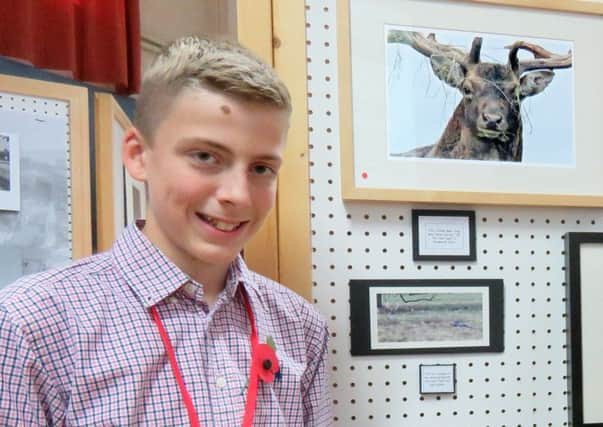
x: 96, y: 41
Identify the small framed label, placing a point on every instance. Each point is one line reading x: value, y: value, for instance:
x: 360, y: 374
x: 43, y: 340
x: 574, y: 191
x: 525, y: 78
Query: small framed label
x: 443, y: 235
x: 437, y: 379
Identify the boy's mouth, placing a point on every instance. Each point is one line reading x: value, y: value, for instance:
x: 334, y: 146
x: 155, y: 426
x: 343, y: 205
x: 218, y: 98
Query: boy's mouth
x: 220, y: 225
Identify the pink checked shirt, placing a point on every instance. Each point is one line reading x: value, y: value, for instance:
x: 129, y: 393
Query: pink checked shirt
x: 78, y: 346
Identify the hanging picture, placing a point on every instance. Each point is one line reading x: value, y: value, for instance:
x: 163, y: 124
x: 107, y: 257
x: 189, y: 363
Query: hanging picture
x: 45, y: 209
x: 10, y: 173
x: 583, y: 270
x: 120, y: 200
x: 426, y: 316
x: 463, y: 102
x: 443, y: 235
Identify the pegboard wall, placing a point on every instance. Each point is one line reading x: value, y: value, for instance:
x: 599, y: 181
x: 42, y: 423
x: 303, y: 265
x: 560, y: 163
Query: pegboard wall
x: 39, y: 235
x: 527, y: 384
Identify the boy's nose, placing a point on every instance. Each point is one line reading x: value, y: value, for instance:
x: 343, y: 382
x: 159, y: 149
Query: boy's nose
x: 234, y: 188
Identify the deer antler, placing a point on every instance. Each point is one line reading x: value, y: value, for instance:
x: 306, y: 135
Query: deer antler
x: 542, y: 58
x: 427, y: 46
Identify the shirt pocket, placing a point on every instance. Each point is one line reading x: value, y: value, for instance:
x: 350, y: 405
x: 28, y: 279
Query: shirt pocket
x: 287, y: 385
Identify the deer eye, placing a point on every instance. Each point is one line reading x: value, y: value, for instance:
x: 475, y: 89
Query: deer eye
x: 467, y: 90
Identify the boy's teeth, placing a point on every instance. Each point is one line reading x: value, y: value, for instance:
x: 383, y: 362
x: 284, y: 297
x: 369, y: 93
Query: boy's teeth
x: 223, y: 226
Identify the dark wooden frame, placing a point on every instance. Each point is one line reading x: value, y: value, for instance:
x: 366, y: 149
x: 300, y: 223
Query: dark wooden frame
x: 360, y: 317
x: 416, y: 213
x: 573, y: 273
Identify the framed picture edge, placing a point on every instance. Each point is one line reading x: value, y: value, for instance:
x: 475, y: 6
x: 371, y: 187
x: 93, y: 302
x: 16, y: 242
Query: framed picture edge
x: 350, y: 192
x: 360, y: 336
x: 107, y: 110
x: 416, y: 213
x: 578, y: 6
x: 79, y: 151
x: 575, y: 374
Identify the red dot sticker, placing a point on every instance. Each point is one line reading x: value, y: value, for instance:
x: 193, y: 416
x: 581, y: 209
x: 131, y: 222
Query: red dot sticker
x: 364, y: 175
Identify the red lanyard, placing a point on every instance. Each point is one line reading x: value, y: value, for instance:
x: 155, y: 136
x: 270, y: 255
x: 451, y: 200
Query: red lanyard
x: 252, y: 389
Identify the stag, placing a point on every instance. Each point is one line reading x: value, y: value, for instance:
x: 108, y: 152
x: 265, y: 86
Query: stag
x: 486, y: 124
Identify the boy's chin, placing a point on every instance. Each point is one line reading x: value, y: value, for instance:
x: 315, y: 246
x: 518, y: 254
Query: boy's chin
x: 217, y: 255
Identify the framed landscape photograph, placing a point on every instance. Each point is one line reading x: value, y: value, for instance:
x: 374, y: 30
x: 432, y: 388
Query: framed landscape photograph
x: 468, y: 103
x: 443, y: 235
x: 426, y: 316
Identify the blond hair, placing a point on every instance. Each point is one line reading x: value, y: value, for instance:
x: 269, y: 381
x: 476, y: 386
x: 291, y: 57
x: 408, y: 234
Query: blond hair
x: 194, y: 63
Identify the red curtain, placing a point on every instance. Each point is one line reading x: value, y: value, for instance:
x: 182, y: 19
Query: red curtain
x: 96, y: 41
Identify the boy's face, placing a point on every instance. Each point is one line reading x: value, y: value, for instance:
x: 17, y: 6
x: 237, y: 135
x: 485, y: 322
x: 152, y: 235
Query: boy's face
x: 211, y: 175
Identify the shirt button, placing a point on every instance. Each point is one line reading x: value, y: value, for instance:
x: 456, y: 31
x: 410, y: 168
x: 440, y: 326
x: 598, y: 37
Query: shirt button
x: 189, y: 288
x: 220, y: 382
x: 173, y: 300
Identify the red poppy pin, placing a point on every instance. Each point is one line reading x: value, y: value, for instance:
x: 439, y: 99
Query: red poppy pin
x: 266, y: 361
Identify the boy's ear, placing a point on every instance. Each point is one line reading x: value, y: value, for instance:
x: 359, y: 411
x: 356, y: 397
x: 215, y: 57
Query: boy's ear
x: 133, y: 154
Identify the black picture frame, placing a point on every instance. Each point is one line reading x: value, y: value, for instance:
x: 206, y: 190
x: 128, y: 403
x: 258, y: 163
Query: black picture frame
x: 423, y: 368
x: 440, y: 235
x: 583, y: 317
x: 384, y: 314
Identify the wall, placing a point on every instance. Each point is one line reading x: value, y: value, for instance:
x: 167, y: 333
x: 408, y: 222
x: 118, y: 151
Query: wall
x: 163, y: 22
x: 527, y: 384
x: 14, y: 68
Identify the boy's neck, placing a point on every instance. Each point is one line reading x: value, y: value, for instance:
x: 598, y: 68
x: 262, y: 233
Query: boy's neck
x: 213, y: 281
x: 211, y: 276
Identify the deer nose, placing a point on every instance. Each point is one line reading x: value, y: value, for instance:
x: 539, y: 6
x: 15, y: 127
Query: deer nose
x: 492, y: 118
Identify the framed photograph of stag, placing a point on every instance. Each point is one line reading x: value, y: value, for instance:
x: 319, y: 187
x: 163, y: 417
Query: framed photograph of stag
x: 426, y: 316
x: 469, y: 103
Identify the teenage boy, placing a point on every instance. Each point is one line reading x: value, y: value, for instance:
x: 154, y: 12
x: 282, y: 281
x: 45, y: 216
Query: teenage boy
x: 169, y: 327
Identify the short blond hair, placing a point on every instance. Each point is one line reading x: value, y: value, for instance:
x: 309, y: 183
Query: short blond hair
x: 195, y: 63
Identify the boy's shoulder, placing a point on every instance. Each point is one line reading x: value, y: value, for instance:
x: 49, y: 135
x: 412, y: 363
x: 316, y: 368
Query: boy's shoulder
x: 32, y: 294
x: 279, y: 300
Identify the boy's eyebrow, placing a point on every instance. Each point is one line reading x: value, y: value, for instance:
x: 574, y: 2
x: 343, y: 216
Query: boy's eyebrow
x: 223, y: 148
x: 209, y: 142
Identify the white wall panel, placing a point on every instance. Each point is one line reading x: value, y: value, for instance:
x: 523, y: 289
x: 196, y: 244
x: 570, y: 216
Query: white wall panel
x: 524, y: 386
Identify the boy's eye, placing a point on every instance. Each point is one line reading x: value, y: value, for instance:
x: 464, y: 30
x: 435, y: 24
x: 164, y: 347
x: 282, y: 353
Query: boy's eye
x: 262, y: 170
x: 205, y: 157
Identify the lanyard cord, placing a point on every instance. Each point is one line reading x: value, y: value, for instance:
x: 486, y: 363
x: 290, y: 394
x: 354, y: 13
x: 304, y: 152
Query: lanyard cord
x: 252, y: 389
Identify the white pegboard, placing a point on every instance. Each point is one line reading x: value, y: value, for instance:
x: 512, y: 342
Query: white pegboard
x: 526, y: 385
x: 42, y: 126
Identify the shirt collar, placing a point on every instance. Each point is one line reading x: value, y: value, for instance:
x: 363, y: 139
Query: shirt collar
x: 153, y: 277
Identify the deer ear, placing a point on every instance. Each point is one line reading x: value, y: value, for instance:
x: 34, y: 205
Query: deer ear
x: 535, y: 82
x: 448, y: 70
